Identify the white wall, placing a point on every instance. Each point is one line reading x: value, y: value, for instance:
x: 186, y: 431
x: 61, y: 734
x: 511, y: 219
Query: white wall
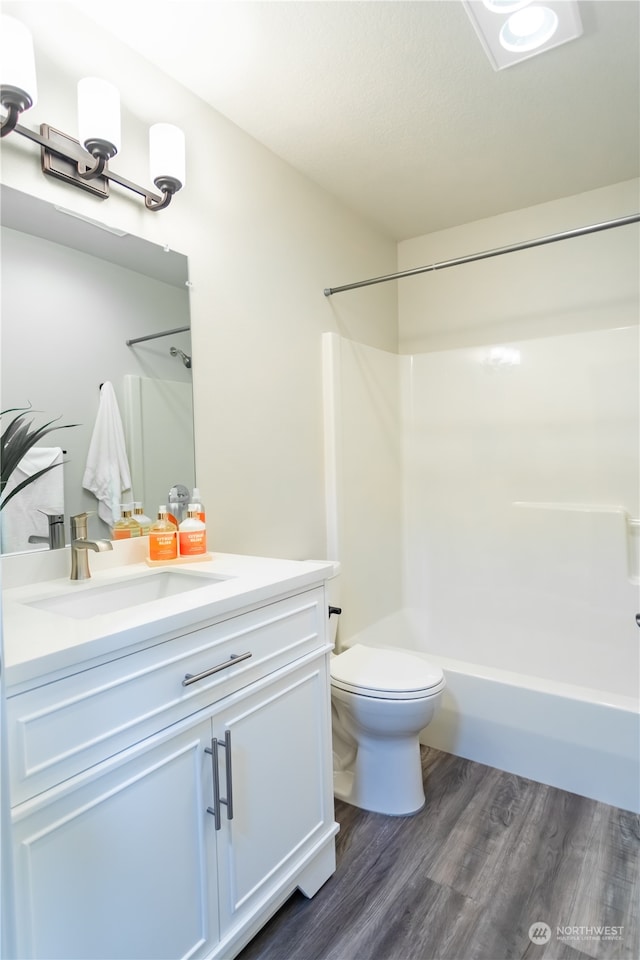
x: 263, y: 242
x: 520, y: 484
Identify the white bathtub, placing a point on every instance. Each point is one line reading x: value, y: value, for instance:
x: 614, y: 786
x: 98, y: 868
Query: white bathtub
x: 577, y: 738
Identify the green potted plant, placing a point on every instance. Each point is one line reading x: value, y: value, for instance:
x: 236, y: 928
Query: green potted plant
x: 16, y: 441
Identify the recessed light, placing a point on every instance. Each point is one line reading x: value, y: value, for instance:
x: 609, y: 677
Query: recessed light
x: 513, y: 30
x: 528, y: 29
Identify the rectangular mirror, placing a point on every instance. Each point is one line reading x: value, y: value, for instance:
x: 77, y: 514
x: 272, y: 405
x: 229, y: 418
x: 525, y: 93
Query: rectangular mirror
x: 73, y: 293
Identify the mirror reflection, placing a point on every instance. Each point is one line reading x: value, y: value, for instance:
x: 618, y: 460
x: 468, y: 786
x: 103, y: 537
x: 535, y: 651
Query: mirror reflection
x: 73, y: 293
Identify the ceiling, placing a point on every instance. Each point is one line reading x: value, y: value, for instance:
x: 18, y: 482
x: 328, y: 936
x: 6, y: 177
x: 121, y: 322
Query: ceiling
x: 394, y: 108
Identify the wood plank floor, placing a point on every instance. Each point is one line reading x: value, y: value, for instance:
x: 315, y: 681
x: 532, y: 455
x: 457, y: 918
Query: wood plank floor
x: 489, y: 855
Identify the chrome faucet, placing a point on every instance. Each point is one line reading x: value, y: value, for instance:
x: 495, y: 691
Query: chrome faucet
x: 80, y: 545
x: 56, y: 529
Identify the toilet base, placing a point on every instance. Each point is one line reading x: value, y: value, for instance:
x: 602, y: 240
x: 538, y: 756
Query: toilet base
x: 342, y: 785
x: 386, y: 777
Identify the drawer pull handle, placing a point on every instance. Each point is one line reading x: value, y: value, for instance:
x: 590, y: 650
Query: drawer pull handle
x: 233, y: 659
x: 217, y: 799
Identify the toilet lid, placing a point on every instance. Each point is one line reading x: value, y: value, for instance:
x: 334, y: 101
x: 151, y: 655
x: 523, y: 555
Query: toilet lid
x: 389, y: 674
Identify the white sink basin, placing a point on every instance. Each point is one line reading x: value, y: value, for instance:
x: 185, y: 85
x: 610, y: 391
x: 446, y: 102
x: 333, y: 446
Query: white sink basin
x: 92, y: 601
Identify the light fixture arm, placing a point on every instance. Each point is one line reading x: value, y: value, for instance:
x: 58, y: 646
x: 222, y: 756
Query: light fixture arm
x: 10, y: 121
x: 86, y: 167
x: 96, y: 170
x: 14, y: 101
x: 168, y: 186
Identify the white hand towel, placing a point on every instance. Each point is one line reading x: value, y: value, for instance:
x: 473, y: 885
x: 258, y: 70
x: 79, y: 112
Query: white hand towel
x: 107, y: 473
x: 21, y: 517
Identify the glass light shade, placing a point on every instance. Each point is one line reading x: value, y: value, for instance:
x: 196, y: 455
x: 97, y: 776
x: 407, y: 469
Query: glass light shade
x: 529, y: 28
x: 166, y: 152
x: 17, y: 61
x: 98, y: 112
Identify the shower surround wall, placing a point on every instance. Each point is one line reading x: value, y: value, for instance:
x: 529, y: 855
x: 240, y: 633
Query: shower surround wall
x: 518, y: 460
x: 521, y: 488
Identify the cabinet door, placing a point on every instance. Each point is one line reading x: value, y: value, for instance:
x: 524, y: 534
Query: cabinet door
x: 118, y: 864
x: 282, y: 803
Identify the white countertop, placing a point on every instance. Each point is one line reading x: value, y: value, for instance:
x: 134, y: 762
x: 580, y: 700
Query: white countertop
x: 39, y: 644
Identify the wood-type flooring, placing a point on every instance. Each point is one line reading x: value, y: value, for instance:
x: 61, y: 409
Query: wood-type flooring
x: 490, y: 855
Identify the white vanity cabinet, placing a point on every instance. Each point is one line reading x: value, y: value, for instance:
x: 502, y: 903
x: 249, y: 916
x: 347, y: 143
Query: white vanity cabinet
x: 175, y: 826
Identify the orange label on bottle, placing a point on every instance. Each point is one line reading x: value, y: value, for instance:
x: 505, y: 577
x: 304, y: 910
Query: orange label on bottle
x: 192, y: 542
x: 163, y: 546
x: 124, y: 534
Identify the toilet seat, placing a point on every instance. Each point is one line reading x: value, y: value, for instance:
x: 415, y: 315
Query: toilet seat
x: 385, y: 674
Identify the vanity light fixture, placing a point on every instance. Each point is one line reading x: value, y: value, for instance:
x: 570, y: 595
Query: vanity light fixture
x: 514, y: 30
x: 83, y: 162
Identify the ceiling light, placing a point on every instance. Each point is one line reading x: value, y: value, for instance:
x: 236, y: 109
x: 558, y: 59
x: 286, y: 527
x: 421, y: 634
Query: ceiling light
x: 528, y: 29
x: 515, y: 30
x: 19, y: 90
x: 99, y: 116
x: 84, y: 162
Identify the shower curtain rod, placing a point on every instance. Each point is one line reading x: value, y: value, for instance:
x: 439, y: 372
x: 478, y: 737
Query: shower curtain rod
x: 497, y: 252
x: 154, y: 336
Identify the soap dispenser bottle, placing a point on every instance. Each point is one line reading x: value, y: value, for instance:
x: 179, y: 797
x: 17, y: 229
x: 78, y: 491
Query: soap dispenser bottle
x: 126, y: 526
x: 192, y: 533
x: 163, y: 537
x: 140, y: 517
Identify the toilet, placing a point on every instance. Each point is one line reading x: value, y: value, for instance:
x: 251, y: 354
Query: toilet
x: 381, y: 699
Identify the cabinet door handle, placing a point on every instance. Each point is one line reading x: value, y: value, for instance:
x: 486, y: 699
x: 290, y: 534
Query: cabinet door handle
x: 215, y: 809
x: 227, y: 763
x: 233, y: 659
x: 217, y: 799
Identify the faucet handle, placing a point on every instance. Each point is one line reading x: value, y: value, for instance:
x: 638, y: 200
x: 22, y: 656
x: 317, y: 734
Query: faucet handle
x: 55, y: 519
x: 79, y: 525
x: 54, y: 515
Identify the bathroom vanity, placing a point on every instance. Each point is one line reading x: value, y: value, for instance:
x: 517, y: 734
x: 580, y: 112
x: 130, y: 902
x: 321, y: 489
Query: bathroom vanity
x: 171, y: 774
